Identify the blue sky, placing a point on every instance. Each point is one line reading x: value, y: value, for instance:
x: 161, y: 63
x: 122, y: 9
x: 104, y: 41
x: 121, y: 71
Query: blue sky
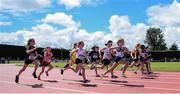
x: 88, y: 15
x: 93, y: 15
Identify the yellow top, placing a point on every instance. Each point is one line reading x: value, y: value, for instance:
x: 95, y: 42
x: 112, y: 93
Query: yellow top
x: 73, y: 55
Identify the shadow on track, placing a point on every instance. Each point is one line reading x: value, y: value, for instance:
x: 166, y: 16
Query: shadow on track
x: 50, y: 81
x: 34, y: 85
x: 81, y: 83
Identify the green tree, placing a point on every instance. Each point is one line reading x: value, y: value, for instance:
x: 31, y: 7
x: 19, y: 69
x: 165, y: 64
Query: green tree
x: 174, y: 47
x: 155, y: 39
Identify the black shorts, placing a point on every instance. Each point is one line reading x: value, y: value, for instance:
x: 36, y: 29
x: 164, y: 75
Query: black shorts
x: 78, y: 61
x: 106, y: 62
x: 117, y: 59
x: 94, y: 60
x: 28, y: 61
x: 135, y: 60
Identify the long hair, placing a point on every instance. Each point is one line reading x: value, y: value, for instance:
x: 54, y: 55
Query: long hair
x: 109, y: 41
x: 79, y: 43
x: 28, y: 42
x: 74, y: 45
x: 120, y: 40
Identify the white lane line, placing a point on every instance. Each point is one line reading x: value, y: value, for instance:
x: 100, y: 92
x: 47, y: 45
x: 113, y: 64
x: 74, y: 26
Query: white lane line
x: 156, y: 82
x: 141, y: 81
x: 55, y: 88
x: 163, y: 78
x: 157, y: 88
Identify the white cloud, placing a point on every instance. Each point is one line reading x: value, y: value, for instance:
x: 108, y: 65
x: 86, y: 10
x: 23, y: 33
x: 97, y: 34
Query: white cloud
x: 61, y: 18
x: 121, y: 27
x: 165, y: 15
x: 48, y: 34
x: 69, y: 4
x: 171, y: 35
x: 18, y: 6
x: 3, y: 23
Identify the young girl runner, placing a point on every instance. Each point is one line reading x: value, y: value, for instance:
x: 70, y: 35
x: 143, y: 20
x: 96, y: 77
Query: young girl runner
x: 31, y: 55
x: 107, y: 56
x: 94, y: 57
x: 144, y: 58
x: 46, y: 62
x: 72, y: 58
x: 148, y: 64
x: 120, y: 50
x: 136, y: 58
x: 80, y: 58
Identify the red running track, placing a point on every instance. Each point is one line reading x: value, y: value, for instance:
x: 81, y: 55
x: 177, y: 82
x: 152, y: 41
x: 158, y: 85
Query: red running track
x: 159, y: 82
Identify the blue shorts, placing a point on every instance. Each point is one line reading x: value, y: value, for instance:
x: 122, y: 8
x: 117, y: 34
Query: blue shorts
x: 106, y: 62
x: 117, y: 59
x: 142, y: 59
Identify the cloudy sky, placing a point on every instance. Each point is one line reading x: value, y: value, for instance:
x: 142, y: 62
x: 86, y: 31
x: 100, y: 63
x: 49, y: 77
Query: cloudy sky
x: 60, y: 23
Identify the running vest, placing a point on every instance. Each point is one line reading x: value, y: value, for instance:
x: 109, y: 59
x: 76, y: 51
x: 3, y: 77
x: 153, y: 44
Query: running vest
x: 32, y: 55
x: 47, y: 56
x: 73, y: 55
x: 137, y: 55
x: 119, y: 52
x: 143, y: 53
x: 80, y: 54
x: 94, y: 55
x: 106, y: 53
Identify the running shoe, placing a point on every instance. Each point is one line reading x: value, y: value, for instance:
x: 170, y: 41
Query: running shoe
x: 123, y: 75
x: 135, y: 72
x: 39, y: 78
x: 80, y: 74
x: 101, y: 76
x: 34, y: 75
x: 62, y: 71
x: 114, y: 76
x: 17, y: 79
x: 46, y: 73
x: 92, y: 67
x: 86, y: 81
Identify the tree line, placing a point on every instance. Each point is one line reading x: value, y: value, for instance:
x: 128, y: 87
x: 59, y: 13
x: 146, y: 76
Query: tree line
x: 156, y: 42
x: 18, y: 52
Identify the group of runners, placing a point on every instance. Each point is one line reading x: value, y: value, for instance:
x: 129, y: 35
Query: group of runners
x: 108, y: 57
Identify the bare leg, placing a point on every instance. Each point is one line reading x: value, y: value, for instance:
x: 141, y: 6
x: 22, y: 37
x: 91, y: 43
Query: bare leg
x: 96, y: 71
x: 147, y: 68
x: 126, y: 65
x: 142, y: 67
x: 134, y: 63
x: 35, y: 67
x: 111, y: 69
x: 111, y: 66
x: 50, y: 68
x: 83, y: 71
x: 23, y: 69
x: 138, y: 67
x: 149, y: 64
x: 43, y: 68
x: 76, y: 69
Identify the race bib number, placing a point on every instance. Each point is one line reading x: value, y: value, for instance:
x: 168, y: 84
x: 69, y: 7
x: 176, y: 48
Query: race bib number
x: 143, y: 54
x: 81, y: 57
x: 95, y: 56
x: 120, y: 54
x: 31, y: 57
